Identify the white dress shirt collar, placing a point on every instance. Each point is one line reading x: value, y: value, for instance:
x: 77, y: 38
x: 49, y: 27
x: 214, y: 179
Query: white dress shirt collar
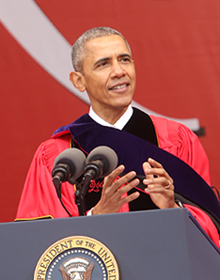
x: 119, y: 124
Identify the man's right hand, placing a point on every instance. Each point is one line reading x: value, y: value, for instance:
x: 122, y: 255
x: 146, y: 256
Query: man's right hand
x: 114, y: 192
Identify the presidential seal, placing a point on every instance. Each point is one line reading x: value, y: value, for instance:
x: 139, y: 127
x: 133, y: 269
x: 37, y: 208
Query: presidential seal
x: 77, y: 258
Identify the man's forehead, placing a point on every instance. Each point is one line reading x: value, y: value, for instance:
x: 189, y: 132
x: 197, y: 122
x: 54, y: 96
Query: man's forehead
x: 106, y: 45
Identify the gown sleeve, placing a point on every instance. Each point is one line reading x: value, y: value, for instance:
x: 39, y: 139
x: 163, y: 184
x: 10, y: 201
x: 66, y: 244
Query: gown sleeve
x: 183, y: 143
x: 180, y: 141
x: 39, y: 198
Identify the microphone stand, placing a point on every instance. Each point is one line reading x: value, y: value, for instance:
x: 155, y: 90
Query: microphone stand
x: 81, y: 190
x: 79, y: 200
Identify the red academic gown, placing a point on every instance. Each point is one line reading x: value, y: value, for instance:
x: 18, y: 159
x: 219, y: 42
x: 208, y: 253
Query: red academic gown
x: 39, y: 198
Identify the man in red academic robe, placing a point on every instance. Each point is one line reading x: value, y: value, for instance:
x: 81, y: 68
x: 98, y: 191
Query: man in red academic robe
x: 105, y: 69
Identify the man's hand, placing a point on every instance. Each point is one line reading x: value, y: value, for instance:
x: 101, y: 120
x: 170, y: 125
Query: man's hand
x: 159, y: 184
x: 114, y: 192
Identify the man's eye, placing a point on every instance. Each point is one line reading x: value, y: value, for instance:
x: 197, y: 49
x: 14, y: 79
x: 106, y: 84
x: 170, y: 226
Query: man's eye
x: 104, y: 63
x: 126, y: 60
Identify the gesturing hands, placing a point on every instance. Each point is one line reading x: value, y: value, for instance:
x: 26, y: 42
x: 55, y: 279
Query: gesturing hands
x: 159, y: 185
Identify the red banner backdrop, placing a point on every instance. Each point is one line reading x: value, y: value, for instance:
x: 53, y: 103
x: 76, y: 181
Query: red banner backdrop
x: 175, y: 46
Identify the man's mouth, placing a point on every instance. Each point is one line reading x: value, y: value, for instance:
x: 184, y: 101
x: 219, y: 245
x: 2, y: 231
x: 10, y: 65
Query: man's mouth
x: 119, y: 86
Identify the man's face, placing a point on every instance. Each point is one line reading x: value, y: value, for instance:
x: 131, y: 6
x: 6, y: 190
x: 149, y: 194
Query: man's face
x: 109, y: 74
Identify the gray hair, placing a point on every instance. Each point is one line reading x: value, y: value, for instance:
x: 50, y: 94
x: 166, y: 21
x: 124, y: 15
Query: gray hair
x: 79, y: 48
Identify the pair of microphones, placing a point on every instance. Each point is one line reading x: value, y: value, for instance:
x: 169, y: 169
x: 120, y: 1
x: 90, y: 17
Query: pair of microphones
x: 72, y: 163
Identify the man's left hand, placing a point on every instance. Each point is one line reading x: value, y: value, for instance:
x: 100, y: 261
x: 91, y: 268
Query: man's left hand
x: 159, y: 184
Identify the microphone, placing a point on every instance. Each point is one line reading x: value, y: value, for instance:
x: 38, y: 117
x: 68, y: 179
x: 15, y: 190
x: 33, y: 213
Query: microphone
x: 68, y: 166
x: 100, y: 162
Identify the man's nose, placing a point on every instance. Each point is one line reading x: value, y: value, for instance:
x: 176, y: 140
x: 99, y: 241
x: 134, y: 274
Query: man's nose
x: 117, y: 70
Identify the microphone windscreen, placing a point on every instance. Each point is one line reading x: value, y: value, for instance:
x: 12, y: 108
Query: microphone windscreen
x: 107, y: 156
x: 75, y: 159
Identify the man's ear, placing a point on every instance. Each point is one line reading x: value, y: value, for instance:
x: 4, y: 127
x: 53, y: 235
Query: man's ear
x: 78, y: 80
